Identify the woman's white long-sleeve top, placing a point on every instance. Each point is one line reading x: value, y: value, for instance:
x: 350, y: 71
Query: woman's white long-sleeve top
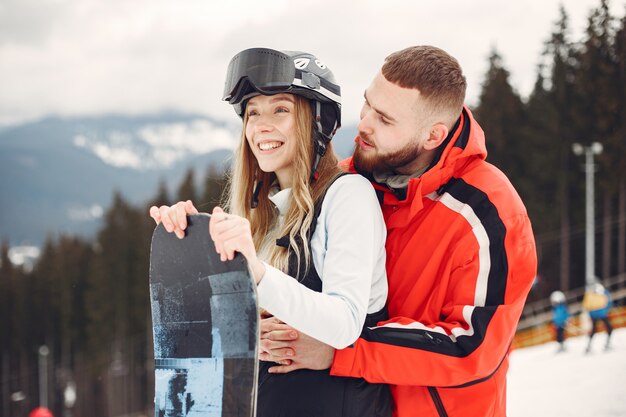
x: 348, y: 253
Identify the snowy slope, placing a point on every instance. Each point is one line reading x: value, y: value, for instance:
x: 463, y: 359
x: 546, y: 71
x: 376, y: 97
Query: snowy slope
x: 572, y: 383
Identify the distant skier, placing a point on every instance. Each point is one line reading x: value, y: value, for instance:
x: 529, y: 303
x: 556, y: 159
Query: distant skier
x: 597, y: 302
x: 560, y: 317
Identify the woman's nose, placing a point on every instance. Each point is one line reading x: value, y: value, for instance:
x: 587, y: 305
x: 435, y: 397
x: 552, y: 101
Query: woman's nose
x: 263, y: 124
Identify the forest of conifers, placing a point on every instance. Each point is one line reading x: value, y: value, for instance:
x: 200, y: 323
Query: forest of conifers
x: 88, y: 300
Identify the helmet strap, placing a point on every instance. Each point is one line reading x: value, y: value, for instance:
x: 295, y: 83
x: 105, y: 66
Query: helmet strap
x: 255, y: 195
x: 320, y: 150
x: 320, y: 140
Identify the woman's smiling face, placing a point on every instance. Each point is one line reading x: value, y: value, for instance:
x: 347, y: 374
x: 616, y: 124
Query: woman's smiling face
x: 271, y: 134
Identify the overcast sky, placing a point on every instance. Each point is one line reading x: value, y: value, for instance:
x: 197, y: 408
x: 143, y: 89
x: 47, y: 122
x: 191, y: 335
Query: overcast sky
x: 85, y: 57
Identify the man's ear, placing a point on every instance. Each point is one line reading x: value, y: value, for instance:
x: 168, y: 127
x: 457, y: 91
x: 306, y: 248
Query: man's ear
x: 438, y: 133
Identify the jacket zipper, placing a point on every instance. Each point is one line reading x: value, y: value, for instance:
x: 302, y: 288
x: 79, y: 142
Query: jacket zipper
x: 434, y: 394
x: 478, y: 381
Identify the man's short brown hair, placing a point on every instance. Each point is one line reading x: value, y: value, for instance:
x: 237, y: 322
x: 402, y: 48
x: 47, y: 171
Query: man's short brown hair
x: 432, y: 71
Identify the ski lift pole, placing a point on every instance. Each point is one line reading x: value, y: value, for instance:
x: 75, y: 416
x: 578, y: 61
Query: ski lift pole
x: 594, y: 149
x: 43, y: 376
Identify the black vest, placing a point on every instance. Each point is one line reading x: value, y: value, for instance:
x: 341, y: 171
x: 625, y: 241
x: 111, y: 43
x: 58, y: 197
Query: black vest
x: 308, y: 393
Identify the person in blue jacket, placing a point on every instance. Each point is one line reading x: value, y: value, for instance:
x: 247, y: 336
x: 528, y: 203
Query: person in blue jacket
x: 597, y: 302
x: 560, y: 316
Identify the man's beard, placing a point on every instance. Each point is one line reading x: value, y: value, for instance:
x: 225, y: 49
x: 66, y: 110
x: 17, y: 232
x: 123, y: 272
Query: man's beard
x: 388, y: 163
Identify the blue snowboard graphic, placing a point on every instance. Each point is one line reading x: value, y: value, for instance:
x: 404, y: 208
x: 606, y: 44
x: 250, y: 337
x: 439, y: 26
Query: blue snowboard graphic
x: 205, y: 327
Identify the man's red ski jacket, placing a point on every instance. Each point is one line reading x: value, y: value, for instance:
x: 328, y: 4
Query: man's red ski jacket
x: 461, y: 259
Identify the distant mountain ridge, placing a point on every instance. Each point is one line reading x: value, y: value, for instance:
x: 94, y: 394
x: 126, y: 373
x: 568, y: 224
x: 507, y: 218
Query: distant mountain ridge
x: 58, y: 174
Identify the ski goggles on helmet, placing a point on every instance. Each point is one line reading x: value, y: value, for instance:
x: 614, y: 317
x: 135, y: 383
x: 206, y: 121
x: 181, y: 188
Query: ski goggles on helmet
x: 267, y: 71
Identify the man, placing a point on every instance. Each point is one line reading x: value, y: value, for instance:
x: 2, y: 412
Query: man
x: 460, y: 250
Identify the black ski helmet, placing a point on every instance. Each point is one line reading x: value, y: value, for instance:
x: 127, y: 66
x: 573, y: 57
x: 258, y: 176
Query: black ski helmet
x: 267, y: 71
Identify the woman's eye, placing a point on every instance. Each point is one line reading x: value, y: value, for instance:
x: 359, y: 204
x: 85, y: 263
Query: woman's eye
x: 282, y: 110
x: 384, y: 121
x: 252, y: 113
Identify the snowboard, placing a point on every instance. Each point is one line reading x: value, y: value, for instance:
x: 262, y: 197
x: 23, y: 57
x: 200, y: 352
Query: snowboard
x: 205, y: 324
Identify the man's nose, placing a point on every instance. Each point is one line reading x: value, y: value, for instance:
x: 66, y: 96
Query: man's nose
x: 364, y: 124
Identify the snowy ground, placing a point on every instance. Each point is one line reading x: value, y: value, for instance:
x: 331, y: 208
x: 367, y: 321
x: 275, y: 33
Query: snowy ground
x: 542, y: 382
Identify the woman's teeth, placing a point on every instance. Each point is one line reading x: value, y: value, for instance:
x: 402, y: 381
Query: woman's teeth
x: 267, y: 146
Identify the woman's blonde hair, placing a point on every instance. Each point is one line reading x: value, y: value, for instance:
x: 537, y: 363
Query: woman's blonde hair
x: 305, y: 193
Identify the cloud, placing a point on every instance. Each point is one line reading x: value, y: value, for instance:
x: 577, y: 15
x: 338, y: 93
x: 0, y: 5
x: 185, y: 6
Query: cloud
x: 87, y: 57
x: 29, y: 22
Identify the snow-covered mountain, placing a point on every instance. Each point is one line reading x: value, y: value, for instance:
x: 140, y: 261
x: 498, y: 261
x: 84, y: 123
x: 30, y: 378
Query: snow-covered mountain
x: 154, y: 146
x: 58, y: 175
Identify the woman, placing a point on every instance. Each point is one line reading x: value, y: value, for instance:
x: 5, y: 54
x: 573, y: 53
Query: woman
x: 313, y: 237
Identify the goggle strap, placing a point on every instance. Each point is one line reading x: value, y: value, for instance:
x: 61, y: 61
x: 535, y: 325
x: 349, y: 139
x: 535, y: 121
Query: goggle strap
x: 318, y: 116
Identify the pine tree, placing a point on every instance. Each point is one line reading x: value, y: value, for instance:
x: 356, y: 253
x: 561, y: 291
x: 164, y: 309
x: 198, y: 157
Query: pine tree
x: 6, y: 301
x: 539, y: 135
x: 16, y: 327
x: 162, y: 196
x: 6, y: 278
x: 118, y: 296
x: 620, y: 142
x: 214, y: 184
x: 501, y: 115
x: 560, y: 54
x: 598, y: 113
x: 187, y: 188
